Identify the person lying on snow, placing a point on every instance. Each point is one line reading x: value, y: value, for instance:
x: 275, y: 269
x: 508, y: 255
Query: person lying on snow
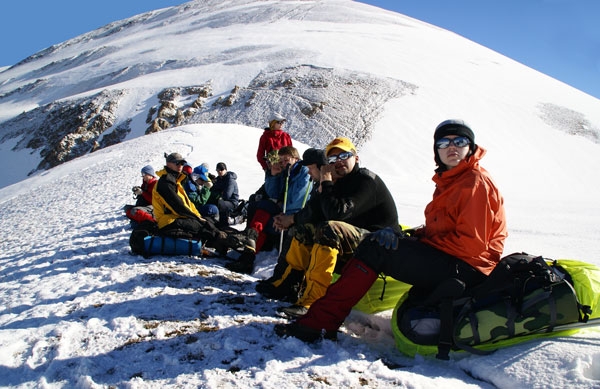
x: 463, y: 238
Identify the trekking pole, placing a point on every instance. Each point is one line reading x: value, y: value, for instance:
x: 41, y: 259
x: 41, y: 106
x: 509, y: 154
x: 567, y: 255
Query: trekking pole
x: 285, y: 194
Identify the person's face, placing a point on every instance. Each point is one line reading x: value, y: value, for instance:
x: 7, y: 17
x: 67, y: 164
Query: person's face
x: 176, y: 166
x: 453, y: 154
x: 314, y: 172
x: 146, y: 177
x: 221, y: 173
x: 278, y: 125
x: 275, y: 168
x: 285, y: 160
x: 344, y: 161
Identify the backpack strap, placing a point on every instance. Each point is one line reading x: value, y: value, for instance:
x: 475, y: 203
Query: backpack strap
x: 148, y: 253
x: 446, y: 328
x: 445, y: 294
x: 383, y: 277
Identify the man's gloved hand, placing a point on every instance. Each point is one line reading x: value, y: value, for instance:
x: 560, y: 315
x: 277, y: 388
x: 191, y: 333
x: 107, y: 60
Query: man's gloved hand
x: 137, y: 190
x: 386, y: 237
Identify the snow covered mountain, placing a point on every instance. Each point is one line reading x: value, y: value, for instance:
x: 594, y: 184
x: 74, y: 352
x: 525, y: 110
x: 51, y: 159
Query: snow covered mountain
x: 76, y: 310
x: 330, y: 66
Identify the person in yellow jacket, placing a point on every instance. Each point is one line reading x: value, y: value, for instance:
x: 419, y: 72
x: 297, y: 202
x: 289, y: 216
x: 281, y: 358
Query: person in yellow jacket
x: 175, y: 213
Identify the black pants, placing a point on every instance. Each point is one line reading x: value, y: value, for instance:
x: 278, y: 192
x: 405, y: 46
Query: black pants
x: 225, y: 208
x: 203, y: 231
x: 416, y: 263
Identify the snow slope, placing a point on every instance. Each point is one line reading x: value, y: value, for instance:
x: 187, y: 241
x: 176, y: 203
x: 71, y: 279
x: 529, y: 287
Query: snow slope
x: 77, y: 310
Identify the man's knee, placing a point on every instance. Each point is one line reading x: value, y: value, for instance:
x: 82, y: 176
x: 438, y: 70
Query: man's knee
x: 328, y: 234
x: 371, y: 253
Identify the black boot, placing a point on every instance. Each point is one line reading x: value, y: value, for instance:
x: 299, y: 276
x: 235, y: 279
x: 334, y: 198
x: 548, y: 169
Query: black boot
x: 244, y: 264
x: 250, y: 240
x: 287, y: 291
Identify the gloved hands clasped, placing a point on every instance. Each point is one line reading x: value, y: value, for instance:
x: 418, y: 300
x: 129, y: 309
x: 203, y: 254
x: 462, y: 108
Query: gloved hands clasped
x: 136, y: 190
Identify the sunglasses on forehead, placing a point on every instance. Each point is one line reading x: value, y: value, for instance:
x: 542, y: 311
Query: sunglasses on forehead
x: 340, y: 157
x: 459, y: 141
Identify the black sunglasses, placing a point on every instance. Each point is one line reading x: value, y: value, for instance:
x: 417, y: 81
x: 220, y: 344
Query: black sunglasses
x: 460, y: 141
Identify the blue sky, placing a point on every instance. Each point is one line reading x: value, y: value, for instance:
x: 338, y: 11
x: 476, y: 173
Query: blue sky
x: 560, y: 38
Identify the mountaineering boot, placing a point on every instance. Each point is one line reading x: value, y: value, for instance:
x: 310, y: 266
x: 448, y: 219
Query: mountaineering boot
x: 287, y: 290
x: 293, y: 311
x: 250, y: 240
x: 327, y: 314
x: 244, y: 264
x: 305, y: 334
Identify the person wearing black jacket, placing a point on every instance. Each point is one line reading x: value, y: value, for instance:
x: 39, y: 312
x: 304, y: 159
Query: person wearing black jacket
x: 351, y: 202
x: 224, y: 193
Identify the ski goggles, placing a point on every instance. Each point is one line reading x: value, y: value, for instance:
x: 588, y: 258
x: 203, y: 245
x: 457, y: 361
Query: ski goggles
x: 340, y: 157
x: 459, y: 141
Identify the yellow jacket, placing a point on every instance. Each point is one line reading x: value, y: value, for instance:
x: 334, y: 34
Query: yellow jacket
x: 170, y: 200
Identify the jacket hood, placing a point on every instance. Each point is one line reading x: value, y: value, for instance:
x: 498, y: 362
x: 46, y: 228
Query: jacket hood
x: 231, y: 174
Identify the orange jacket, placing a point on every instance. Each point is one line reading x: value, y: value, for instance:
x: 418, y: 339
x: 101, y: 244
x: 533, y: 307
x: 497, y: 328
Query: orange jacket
x: 466, y: 216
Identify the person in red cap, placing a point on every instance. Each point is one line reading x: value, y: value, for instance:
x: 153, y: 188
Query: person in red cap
x: 463, y: 238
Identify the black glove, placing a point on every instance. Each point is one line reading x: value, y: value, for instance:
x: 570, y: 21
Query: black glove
x: 137, y: 190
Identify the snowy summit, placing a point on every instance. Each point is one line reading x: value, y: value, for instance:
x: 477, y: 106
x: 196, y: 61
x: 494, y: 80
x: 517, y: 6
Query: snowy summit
x: 79, y: 120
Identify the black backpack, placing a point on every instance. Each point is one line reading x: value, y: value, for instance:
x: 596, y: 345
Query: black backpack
x: 524, y: 295
x: 141, y: 230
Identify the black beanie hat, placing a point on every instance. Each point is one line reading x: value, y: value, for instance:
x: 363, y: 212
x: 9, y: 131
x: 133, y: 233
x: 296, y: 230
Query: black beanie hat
x: 316, y: 156
x: 452, y: 127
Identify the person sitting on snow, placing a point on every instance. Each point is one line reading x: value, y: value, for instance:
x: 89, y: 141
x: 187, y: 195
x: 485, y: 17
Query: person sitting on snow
x: 353, y: 201
x: 285, y: 287
x: 175, y: 213
x: 142, y: 210
x: 287, y: 185
x: 224, y: 193
x: 201, y: 195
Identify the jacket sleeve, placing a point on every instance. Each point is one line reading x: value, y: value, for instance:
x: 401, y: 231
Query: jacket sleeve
x: 260, y: 153
x: 298, y: 186
x: 229, y: 189
x: 147, y: 193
